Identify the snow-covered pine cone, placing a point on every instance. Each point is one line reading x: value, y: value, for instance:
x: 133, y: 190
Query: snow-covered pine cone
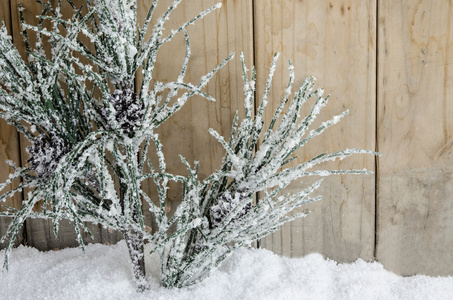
x: 226, y: 203
x: 45, y: 153
x: 128, y: 110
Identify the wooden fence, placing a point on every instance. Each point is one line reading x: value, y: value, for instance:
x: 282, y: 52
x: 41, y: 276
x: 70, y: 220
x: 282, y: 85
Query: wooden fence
x: 387, y: 61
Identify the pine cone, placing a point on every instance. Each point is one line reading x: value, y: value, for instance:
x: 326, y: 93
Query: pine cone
x: 128, y: 110
x: 225, y: 204
x: 45, y: 153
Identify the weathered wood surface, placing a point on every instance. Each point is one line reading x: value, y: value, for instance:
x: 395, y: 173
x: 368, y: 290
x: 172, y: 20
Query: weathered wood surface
x: 9, y: 146
x: 415, y: 128
x: 212, y: 39
x: 335, y: 41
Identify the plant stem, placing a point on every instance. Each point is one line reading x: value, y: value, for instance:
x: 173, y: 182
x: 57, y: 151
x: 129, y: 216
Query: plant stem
x: 135, y: 245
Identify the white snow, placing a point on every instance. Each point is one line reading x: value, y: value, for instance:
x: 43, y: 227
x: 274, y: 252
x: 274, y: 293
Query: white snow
x: 104, y: 273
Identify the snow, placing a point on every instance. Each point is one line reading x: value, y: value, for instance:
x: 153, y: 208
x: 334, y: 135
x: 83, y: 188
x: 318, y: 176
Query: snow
x: 104, y: 273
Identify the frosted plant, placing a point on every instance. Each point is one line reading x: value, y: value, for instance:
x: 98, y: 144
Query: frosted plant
x: 48, y: 112
x: 256, y: 160
x: 89, y: 153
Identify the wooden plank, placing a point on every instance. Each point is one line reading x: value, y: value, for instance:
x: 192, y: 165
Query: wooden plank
x: 5, y: 14
x: 335, y: 41
x: 9, y: 146
x: 226, y: 30
x: 415, y: 130
x: 40, y: 235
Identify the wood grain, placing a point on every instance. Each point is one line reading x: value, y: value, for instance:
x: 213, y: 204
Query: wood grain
x: 335, y: 42
x: 415, y: 128
x: 9, y: 146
